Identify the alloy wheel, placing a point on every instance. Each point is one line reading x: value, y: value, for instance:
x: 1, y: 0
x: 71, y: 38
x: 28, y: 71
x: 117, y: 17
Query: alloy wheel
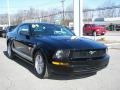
x: 39, y: 64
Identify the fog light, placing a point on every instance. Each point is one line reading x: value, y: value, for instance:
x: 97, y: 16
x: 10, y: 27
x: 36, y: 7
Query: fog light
x: 55, y: 63
x: 60, y: 63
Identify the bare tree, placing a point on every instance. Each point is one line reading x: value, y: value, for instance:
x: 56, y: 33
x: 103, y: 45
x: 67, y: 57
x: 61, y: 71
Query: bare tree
x: 69, y: 15
x: 4, y: 19
x: 108, y: 11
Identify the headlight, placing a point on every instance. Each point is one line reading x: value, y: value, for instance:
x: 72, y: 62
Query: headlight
x: 61, y: 54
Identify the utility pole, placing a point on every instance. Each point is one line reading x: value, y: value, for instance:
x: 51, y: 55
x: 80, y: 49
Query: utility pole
x: 78, y: 17
x: 63, y: 11
x: 8, y: 8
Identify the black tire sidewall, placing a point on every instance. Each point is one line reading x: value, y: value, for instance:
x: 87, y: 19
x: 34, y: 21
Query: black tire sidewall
x: 10, y: 56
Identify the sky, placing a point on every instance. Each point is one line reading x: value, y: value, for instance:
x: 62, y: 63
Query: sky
x: 98, y: 3
x: 16, y: 5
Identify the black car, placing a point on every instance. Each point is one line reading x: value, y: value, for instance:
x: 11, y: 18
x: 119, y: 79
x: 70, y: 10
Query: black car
x: 10, y: 28
x: 2, y: 32
x: 55, y: 49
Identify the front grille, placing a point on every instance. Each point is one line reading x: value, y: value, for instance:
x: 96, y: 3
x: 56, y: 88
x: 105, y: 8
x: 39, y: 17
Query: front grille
x: 87, y: 53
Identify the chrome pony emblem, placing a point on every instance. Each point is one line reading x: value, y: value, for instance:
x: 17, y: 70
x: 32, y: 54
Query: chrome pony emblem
x: 92, y: 52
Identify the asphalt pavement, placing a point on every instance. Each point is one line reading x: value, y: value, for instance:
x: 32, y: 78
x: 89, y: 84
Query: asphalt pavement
x: 18, y: 75
x: 113, y: 33
x: 112, y: 36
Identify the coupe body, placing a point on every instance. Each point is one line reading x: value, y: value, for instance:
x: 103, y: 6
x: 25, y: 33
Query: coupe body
x: 55, y: 49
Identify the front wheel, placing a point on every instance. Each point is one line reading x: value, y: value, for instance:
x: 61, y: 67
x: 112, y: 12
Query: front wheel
x: 9, y: 51
x: 40, y: 66
x: 102, y: 34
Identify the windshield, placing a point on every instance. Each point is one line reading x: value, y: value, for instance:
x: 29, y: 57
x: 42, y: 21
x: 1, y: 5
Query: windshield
x: 95, y: 25
x: 51, y: 30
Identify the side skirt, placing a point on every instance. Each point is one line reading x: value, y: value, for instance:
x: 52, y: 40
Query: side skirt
x: 31, y: 63
x: 22, y: 56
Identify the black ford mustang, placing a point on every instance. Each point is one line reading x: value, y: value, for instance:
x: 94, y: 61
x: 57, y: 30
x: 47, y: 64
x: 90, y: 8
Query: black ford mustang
x: 55, y: 49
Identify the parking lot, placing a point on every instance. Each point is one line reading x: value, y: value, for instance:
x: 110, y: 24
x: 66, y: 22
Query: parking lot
x: 18, y: 75
x: 113, y: 33
x: 111, y: 36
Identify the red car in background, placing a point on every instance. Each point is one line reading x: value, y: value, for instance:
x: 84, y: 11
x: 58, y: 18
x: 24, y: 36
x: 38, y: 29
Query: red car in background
x: 93, y: 29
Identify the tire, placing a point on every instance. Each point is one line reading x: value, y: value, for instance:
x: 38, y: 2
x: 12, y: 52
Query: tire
x: 87, y: 34
x: 40, y: 66
x: 10, y: 53
x: 102, y: 34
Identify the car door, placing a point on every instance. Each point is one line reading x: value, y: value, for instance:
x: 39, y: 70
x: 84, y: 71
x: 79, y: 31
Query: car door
x: 23, y: 43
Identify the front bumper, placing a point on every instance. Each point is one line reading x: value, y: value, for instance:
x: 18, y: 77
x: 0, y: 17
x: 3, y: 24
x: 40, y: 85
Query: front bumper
x: 80, y: 66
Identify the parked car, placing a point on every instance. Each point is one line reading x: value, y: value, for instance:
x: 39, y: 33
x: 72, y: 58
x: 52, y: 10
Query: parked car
x: 10, y: 28
x: 94, y: 29
x: 54, y: 49
x: 117, y: 27
x: 2, y: 32
x: 7, y: 29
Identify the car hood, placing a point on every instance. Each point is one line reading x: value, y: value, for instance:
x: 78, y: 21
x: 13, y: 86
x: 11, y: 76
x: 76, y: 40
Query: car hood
x: 70, y: 42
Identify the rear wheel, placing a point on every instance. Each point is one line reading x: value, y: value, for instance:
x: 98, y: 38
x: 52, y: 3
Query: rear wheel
x: 40, y: 66
x: 9, y: 51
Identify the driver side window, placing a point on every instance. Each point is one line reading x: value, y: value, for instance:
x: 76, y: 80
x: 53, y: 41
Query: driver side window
x: 23, y: 29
